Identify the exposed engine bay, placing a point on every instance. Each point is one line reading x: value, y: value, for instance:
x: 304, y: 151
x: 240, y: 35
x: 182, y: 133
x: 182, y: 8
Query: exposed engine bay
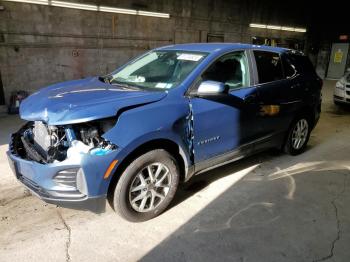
x: 47, y: 144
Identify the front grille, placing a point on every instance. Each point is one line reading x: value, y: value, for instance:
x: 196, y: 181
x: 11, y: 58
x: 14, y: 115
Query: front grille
x: 20, y: 146
x: 11, y: 147
x: 16, y: 146
x: 348, y: 93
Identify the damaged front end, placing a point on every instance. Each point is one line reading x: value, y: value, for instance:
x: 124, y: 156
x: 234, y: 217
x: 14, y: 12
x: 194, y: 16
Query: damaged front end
x: 44, y: 144
x: 64, y: 164
x: 66, y: 154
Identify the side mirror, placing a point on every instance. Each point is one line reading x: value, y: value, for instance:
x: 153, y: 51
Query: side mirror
x: 211, y: 88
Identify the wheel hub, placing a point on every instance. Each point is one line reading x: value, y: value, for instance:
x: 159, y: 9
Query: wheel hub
x: 150, y: 187
x: 299, y: 134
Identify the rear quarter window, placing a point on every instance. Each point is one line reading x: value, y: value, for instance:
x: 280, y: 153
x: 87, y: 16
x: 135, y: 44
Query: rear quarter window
x: 269, y: 66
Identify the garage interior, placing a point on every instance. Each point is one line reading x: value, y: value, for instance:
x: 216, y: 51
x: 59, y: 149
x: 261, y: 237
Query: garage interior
x: 268, y: 207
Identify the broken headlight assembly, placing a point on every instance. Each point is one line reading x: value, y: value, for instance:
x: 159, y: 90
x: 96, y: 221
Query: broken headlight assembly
x: 47, y: 144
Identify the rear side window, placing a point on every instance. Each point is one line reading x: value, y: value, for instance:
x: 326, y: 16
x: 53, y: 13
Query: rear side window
x: 288, y: 66
x: 269, y: 66
x: 302, y: 64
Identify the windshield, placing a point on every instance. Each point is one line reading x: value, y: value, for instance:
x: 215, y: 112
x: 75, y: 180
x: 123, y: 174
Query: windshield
x: 158, y: 70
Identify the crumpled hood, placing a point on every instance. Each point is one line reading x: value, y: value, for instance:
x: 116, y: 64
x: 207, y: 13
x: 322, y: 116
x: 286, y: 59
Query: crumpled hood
x: 82, y: 100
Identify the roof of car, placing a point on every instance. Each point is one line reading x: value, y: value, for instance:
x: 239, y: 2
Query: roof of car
x: 218, y: 47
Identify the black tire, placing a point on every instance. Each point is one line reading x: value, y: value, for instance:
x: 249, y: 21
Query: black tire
x: 122, y: 195
x: 289, y: 147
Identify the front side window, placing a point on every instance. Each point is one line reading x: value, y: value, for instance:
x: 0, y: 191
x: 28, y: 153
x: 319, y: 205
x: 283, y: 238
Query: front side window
x: 269, y: 66
x: 158, y: 70
x: 231, y: 69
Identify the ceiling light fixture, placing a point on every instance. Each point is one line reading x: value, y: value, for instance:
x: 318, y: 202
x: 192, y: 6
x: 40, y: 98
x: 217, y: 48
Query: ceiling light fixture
x: 277, y: 27
x: 286, y: 28
x: 117, y: 10
x: 90, y: 7
x: 73, y: 5
x: 37, y: 2
x: 274, y: 27
x: 257, y: 25
x: 155, y: 14
x: 301, y: 30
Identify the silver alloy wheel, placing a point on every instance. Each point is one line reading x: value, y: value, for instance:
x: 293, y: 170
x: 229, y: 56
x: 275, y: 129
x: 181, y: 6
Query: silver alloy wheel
x: 300, y: 133
x: 150, y: 187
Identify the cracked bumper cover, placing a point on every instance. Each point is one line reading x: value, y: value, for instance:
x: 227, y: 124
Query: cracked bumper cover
x: 87, y: 192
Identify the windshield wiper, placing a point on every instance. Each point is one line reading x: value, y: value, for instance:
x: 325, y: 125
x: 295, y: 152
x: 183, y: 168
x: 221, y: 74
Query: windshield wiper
x: 112, y: 81
x: 123, y: 84
x: 104, y: 79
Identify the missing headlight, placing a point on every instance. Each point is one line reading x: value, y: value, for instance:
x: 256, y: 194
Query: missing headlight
x: 89, y: 137
x: 90, y: 133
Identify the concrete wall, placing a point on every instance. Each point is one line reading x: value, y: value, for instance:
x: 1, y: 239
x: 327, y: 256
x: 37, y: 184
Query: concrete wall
x: 40, y: 45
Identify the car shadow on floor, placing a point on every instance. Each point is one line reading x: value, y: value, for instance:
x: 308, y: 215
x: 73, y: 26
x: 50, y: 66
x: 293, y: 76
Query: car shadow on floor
x: 291, y: 214
x: 201, y: 181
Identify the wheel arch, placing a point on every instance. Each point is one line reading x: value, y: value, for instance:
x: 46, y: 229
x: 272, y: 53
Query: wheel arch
x: 161, y: 143
x: 308, y: 111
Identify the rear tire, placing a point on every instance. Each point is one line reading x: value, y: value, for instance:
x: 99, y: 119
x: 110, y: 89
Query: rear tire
x: 147, y: 186
x: 298, y: 136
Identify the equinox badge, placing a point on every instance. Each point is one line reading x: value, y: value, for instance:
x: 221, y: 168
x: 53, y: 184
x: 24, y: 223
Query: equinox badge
x: 206, y: 141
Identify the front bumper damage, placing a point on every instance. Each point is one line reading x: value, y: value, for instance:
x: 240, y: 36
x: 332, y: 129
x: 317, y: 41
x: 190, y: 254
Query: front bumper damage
x: 76, y: 182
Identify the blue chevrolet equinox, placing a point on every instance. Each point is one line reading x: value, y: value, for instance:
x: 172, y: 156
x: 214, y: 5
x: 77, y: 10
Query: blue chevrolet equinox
x: 131, y: 136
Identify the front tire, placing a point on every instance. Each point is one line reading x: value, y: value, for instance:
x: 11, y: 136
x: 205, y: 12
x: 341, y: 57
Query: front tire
x: 298, y: 136
x: 147, y: 186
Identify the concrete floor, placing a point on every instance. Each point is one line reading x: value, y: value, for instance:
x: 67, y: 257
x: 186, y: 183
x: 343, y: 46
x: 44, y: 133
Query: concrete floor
x: 270, y: 207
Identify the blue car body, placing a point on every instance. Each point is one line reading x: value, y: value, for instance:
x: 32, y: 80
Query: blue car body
x: 204, y: 132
